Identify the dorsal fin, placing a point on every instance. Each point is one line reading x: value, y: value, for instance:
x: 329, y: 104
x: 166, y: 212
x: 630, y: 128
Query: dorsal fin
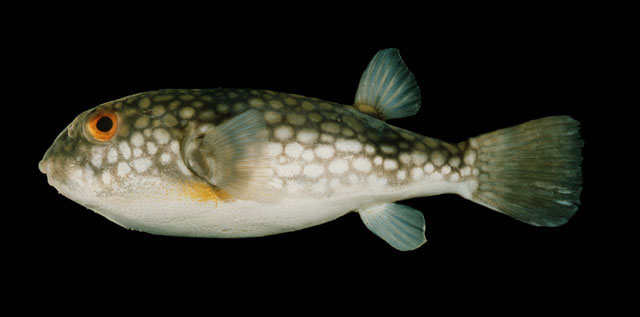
x: 387, y: 88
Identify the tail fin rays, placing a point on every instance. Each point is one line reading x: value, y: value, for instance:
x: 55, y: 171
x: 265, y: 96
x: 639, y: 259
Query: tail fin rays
x: 531, y: 172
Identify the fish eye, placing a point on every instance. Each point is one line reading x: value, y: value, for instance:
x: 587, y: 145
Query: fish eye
x: 102, y: 126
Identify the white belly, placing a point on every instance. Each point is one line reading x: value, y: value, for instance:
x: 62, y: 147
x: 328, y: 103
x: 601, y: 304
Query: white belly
x: 238, y: 218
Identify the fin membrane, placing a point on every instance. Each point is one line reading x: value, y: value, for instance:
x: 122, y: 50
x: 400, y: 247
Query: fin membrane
x: 399, y: 225
x: 233, y: 156
x: 531, y: 171
x: 387, y: 88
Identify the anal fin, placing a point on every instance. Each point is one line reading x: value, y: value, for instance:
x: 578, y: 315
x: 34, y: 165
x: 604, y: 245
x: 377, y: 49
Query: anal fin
x: 399, y: 225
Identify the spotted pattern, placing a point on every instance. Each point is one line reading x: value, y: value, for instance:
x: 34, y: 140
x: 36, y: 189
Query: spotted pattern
x: 316, y: 147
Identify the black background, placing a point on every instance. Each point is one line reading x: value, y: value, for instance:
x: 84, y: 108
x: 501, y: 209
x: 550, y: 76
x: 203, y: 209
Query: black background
x: 475, y: 76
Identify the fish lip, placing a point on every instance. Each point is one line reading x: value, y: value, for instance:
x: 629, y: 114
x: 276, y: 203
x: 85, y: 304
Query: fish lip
x: 43, y: 167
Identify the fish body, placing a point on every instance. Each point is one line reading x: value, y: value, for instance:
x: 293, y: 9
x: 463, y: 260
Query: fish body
x: 230, y: 163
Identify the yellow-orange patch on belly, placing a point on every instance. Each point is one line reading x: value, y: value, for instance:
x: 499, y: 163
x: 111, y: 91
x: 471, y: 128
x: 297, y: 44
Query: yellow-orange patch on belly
x: 204, y: 192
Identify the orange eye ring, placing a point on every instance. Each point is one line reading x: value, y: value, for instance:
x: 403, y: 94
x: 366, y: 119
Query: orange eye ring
x: 103, y: 126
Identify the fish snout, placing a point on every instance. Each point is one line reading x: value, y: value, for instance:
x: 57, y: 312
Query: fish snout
x: 44, y: 166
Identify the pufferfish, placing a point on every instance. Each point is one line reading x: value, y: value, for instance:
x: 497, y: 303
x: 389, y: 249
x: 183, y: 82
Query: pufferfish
x: 231, y: 163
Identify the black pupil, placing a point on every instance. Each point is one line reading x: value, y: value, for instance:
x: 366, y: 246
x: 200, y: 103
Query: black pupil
x: 104, y: 124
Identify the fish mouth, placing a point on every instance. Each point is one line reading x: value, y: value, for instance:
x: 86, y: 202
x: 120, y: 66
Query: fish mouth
x: 43, y: 166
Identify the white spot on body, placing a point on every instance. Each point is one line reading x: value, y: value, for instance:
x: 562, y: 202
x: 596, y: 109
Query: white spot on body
x: 283, y: 132
x: 289, y: 170
x: 314, y: 117
x: 465, y: 171
x: 165, y: 158
x: 454, y: 162
x: 142, y: 164
x: 290, y: 101
x: 437, y: 158
x: 377, y: 160
x: 362, y: 164
x: 325, y: 151
x: 405, y: 158
x: 123, y: 169
x: 161, y: 136
x: 293, y: 150
x: 418, y: 158
x: 388, y: 149
x: 307, y: 136
x: 428, y: 168
x: 137, y: 152
x: 313, y: 170
x: 307, y: 155
x: 142, y: 122
x: 125, y: 150
x: 348, y: 145
x: 157, y: 111
x: 137, y: 139
x: 255, y: 102
x: 327, y: 138
x: 106, y: 178
x: 338, y: 166
x: 186, y: 113
x: 296, y: 119
x: 276, y: 104
x: 432, y: 143
x: 175, y: 147
x: 417, y: 173
x: 112, y: 155
x: 97, y: 154
x: 144, y: 103
x: 369, y: 149
x: 390, y: 164
x: 308, y: 106
x: 275, y: 149
x: 272, y: 117
x: 330, y: 127
x: 401, y: 175
x: 446, y: 170
x: 454, y: 177
x: 151, y: 148
x: 473, y: 142
x: 469, y: 157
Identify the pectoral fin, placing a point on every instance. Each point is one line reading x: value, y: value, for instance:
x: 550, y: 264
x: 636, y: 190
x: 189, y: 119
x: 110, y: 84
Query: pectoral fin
x: 233, y: 156
x: 399, y: 225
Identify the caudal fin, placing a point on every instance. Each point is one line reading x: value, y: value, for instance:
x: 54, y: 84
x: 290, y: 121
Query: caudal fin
x: 531, y: 171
